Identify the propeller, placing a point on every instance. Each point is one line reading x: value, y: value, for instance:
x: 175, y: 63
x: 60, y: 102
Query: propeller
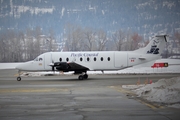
x: 52, y: 65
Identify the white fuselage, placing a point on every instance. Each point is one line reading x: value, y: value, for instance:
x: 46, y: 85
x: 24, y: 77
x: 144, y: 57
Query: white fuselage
x: 94, y: 60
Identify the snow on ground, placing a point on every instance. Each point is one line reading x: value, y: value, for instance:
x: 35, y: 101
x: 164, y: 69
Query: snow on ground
x: 48, y: 73
x: 166, y: 91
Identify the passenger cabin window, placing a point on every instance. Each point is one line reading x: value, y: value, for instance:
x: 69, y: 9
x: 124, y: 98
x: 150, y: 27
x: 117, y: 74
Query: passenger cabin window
x: 94, y: 58
x: 101, y: 58
x: 67, y: 59
x: 60, y: 59
x: 81, y: 59
x: 108, y: 58
x: 88, y: 59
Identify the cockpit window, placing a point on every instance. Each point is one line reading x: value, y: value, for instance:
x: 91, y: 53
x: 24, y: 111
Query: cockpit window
x: 36, y: 59
x: 40, y: 59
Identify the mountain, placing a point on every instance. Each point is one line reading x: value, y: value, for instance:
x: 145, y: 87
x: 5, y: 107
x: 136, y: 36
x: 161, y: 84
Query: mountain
x: 142, y: 16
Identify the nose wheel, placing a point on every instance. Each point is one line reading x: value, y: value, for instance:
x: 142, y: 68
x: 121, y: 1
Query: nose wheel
x: 19, y: 78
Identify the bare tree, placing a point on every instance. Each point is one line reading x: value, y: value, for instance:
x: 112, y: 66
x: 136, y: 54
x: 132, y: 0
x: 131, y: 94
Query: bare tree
x: 136, y: 38
x: 132, y: 41
x: 119, y: 38
x: 89, y: 37
x: 101, y: 40
x: 3, y: 47
x: 10, y: 46
x: 74, y: 38
x: 177, y: 40
x: 30, y: 43
x: 16, y: 47
x: 37, y: 42
x: 78, y: 42
x: 49, y: 40
x: 128, y: 41
x: 68, y: 37
x: 21, y: 38
x: 22, y: 46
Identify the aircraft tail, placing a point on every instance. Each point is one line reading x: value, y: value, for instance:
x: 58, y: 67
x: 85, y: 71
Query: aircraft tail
x: 155, y: 46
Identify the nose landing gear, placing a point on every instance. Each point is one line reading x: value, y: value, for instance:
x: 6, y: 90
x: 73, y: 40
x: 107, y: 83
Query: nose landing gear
x: 19, y: 78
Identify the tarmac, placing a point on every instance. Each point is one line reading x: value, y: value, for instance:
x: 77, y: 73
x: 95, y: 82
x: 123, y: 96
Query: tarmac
x: 65, y: 97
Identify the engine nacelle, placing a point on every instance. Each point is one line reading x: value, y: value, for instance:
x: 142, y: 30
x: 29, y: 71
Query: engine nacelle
x: 62, y: 66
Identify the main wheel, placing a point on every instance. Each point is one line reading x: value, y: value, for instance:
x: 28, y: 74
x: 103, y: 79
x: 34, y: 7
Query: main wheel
x: 81, y: 77
x: 85, y: 76
x: 18, y: 78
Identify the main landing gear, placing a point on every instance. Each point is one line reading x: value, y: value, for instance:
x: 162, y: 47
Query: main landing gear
x: 19, y: 78
x: 82, y: 77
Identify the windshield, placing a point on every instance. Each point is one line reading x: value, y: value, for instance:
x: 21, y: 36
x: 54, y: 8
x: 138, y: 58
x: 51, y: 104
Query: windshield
x: 38, y: 59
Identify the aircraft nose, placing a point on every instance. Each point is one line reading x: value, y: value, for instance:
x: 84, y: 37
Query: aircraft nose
x: 26, y: 66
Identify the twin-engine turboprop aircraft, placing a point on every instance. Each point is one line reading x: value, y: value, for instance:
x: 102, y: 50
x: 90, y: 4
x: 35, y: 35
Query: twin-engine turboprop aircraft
x: 81, y: 62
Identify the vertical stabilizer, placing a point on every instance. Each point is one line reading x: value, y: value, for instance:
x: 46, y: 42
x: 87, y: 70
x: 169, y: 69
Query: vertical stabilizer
x: 155, y: 46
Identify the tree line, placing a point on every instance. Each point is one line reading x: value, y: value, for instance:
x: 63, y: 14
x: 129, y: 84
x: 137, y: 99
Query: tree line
x: 18, y: 46
x: 77, y: 38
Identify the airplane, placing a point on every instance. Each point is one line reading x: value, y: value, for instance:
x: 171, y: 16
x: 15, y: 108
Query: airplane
x: 81, y: 62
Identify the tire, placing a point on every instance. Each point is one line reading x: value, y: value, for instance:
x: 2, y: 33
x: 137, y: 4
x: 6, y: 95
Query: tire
x: 18, y: 78
x: 85, y: 76
x: 81, y: 77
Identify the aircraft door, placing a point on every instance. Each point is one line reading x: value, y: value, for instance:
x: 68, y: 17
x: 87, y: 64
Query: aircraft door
x: 47, y: 61
x: 120, y: 59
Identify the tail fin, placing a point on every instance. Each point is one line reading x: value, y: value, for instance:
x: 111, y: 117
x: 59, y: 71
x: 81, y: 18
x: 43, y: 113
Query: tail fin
x: 155, y: 46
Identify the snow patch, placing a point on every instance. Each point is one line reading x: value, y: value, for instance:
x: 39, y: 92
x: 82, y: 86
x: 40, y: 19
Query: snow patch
x: 33, y: 10
x: 49, y: 73
x: 166, y: 91
x: 103, y: 12
x: 62, y: 12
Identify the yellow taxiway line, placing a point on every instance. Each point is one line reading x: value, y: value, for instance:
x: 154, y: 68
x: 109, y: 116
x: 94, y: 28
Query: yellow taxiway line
x: 32, y: 90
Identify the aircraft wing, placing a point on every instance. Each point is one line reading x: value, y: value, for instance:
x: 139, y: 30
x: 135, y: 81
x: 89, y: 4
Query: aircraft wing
x: 70, y: 66
x: 75, y: 66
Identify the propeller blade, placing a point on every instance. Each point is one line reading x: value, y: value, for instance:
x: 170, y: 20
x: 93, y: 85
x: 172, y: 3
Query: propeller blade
x: 52, y: 65
x: 52, y: 68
